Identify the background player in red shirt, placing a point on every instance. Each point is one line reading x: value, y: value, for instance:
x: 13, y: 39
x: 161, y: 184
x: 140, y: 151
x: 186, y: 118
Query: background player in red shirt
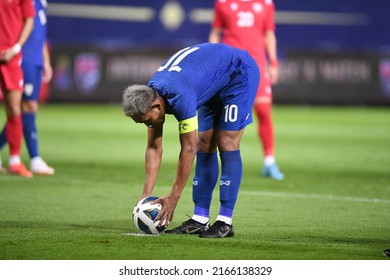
x: 36, y: 69
x: 16, y: 24
x: 249, y: 25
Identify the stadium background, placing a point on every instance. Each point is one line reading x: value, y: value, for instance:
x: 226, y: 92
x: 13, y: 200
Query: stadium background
x: 330, y: 52
x: 333, y: 205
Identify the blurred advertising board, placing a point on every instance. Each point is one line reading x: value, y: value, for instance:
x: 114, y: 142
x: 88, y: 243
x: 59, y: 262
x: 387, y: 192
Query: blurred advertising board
x: 338, y: 78
x: 310, y: 77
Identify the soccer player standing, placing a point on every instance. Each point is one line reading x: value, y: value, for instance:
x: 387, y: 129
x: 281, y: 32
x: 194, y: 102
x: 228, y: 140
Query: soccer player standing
x: 249, y: 25
x: 16, y: 24
x: 209, y: 88
x: 36, y: 68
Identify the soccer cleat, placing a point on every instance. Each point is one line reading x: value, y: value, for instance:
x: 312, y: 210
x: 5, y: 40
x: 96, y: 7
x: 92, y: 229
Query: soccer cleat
x: 39, y: 166
x: 218, y: 230
x: 273, y: 172
x: 19, y: 169
x: 386, y: 252
x: 189, y: 227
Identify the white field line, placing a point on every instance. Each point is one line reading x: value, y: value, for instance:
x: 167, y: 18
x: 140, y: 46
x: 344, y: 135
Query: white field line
x: 242, y: 192
x: 329, y: 197
x: 314, y: 196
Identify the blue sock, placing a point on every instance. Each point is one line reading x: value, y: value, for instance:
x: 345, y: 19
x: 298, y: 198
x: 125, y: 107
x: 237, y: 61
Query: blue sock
x: 206, y: 177
x: 230, y: 181
x: 30, y: 133
x: 3, y: 138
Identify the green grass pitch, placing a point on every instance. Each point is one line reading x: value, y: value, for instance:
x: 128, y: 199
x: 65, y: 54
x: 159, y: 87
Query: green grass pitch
x: 333, y: 205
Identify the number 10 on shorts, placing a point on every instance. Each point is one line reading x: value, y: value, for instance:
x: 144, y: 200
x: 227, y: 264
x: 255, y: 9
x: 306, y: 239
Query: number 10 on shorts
x: 231, y: 113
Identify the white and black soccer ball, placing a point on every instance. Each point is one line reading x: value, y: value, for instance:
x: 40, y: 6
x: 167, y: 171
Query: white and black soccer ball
x: 144, y: 214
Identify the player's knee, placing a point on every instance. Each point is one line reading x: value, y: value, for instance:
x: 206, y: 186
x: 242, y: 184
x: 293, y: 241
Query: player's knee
x: 228, y: 144
x: 30, y: 106
x: 205, y: 146
x: 12, y: 106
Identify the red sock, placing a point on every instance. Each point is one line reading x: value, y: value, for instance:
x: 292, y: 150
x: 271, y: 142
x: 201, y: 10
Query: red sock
x: 265, y: 127
x: 14, y: 132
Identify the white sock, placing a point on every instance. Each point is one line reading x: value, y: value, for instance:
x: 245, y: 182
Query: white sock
x: 225, y: 219
x: 36, y: 160
x: 200, y: 219
x: 37, y: 163
x: 269, y: 160
x: 14, y: 160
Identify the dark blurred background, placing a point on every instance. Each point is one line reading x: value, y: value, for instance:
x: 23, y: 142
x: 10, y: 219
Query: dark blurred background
x: 334, y: 52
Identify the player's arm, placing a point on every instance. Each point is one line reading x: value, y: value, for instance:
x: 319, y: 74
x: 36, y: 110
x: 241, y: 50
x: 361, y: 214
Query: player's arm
x: 47, y: 69
x: 215, y: 35
x: 153, y: 157
x: 8, y: 54
x: 187, y: 129
x: 270, y: 45
x: 184, y: 166
x: 216, y: 31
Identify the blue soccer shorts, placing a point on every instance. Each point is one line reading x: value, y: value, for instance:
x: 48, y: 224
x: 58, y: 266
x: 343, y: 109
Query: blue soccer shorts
x: 231, y: 109
x: 32, y: 81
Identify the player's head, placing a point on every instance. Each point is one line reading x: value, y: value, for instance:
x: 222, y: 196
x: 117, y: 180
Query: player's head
x: 143, y: 105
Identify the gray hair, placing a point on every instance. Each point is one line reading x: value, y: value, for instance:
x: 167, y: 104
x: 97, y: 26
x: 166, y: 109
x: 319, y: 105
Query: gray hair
x: 137, y: 99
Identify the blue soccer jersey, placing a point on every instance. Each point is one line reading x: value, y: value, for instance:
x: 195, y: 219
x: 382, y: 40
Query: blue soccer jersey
x: 32, y: 49
x: 209, y: 77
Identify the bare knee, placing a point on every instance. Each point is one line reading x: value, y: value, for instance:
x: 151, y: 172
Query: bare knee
x: 229, y: 140
x: 30, y: 106
x: 207, y: 142
x: 12, y: 101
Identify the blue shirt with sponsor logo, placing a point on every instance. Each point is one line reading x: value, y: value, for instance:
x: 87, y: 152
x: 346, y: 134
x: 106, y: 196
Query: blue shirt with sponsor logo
x: 32, y: 49
x: 196, y: 75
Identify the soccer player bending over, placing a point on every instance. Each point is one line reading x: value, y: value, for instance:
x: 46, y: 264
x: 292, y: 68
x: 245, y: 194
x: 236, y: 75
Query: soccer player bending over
x: 210, y: 89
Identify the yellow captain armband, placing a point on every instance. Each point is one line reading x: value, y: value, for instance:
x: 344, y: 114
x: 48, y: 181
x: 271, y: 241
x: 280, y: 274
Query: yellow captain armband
x: 188, y: 125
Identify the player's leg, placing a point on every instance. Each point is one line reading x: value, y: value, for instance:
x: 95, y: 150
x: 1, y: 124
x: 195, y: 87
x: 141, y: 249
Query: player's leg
x: 3, y: 141
x: 229, y: 184
x: 32, y: 86
x: 263, y: 110
x: 206, y: 173
x: 236, y: 114
x: 3, y: 138
x: 12, y: 81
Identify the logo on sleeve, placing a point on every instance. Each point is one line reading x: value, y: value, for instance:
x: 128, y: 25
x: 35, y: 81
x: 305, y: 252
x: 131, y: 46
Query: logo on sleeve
x: 188, y: 125
x: 183, y: 127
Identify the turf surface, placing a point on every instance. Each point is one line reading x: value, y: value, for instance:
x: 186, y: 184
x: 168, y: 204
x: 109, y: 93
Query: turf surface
x: 333, y: 205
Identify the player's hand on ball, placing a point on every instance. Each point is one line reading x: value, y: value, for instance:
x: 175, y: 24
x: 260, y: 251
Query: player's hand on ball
x: 169, y: 204
x: 142, y: 197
